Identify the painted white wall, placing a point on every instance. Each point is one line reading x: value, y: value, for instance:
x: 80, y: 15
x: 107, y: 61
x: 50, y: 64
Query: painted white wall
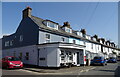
x: 52, y: 57
x: 79, y: 42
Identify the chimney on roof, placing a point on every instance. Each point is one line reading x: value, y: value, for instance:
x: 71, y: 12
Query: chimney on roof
x: 27, y: 12
x: 103, y: 40
x: 66, y: 24
x: 96, y: 36
x: 108, y: 41
x: 83, y: 31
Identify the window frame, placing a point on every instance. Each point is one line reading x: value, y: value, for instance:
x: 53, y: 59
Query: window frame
x: 47, y: 36
x: 51, y: 24
x: 21, y: 38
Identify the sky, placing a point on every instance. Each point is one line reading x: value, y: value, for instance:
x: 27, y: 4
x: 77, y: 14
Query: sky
x: 99, y: 18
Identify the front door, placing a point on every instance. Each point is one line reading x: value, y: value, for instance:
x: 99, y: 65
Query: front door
x: 78, y: 58
x: 42, y: 57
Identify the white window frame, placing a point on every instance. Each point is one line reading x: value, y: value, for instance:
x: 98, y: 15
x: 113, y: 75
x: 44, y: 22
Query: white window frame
x: 68, y: 30
x: 21, y: 38
x: 55, y: 25
x: 7, y: 43
x: 11, y: 43
x: 63, y: 39
x: 47, y: 39
x: 74, y: 41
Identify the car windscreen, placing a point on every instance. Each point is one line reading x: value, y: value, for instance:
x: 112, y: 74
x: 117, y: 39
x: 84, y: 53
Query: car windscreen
x: 97, y: 58
x: 13, y: 59
x: 112, y: 58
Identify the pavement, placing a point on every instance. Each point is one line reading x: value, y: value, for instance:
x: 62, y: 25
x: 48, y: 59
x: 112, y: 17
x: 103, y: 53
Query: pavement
x: 64, y: 70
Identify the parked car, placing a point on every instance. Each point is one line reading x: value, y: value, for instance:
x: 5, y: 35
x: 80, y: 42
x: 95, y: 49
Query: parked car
x: 118, y: 58
x: 11, y: 62
x: 99, y: 60
x: 112, y: 60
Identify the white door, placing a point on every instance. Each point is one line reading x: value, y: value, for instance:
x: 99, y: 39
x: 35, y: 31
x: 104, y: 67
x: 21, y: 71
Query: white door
x: 42, y: 57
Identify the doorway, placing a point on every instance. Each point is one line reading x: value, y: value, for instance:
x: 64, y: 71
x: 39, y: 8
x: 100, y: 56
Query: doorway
x: 78, y: 58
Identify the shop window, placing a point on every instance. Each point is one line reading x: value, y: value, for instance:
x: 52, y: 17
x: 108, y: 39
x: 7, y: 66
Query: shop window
x: 62, y: 52
x: 70, y: 53
x: 62, y: 57
x: 71, y: 57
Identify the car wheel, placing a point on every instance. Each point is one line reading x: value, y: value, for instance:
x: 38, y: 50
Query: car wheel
x: 7, y: 67
x: 103, y: 64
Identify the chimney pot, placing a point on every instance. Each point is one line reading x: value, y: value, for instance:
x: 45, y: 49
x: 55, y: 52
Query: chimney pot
x: 66, y: 24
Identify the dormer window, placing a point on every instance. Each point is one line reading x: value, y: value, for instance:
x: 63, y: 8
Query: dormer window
x: 79, y: 34
x: 68, y: 30
x: 66, y: 27
x: 51, y: 24
x: 88, y: 37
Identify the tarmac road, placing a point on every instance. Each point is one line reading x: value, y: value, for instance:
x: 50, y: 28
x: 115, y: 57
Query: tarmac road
x: 110, y: 70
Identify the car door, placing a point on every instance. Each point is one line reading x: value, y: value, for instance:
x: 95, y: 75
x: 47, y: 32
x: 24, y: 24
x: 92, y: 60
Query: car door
x: 4, y: 62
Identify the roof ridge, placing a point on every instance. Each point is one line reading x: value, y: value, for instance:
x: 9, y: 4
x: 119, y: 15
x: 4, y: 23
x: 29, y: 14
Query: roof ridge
x: 37, y: 17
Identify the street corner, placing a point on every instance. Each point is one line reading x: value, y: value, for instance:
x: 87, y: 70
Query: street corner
x: 87, y: 69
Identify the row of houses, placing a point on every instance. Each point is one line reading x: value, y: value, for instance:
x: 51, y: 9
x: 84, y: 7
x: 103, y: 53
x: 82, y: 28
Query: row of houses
x: 48, y: 44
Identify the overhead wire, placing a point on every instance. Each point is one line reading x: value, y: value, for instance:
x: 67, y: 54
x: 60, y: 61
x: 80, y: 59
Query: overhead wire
x: 91, y: 17
x: 85, y: 12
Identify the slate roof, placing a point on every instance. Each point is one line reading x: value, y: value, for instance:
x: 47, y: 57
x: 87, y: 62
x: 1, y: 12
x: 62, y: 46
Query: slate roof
x: 60, y: 31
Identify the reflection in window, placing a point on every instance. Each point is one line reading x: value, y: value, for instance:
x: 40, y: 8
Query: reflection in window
x: 47, y: 38
x: 6, y: 43
x: 27, y: 56
x: 51, y: 24
x: 21, y: 38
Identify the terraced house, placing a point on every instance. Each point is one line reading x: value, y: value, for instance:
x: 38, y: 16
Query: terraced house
x: 46, y: 43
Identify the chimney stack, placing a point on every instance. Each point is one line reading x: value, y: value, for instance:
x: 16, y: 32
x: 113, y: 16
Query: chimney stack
x: 66, y: 24
x: 27, y: 12
x: 103, y: 40
x: 83, y: 31
x: 96, y: 36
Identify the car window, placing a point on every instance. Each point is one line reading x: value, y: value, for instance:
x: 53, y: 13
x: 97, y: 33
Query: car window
x: 3, y: 59
x: 112, y: 58
x: 13, y: 59
x: 97, y: 57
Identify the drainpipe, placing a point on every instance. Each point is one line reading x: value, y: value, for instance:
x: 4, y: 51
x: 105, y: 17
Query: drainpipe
x: 38, y: 57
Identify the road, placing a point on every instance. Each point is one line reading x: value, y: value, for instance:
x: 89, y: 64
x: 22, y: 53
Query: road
x: 110, y: 69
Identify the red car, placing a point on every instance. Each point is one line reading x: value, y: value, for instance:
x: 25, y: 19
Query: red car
x: 11, y: 62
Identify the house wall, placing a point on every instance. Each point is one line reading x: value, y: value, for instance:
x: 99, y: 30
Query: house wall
x: 16, y: 52
x: 78, y: 41
x: 29, y: 32
x: 53, y: 37
x: 52, y: 57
